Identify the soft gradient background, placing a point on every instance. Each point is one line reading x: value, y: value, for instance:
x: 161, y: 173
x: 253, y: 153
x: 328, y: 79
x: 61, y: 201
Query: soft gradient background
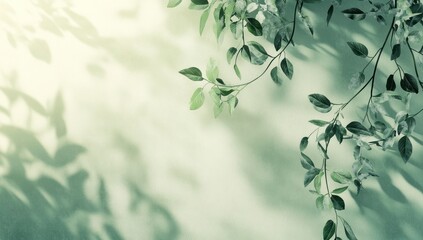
x: 233, y: 178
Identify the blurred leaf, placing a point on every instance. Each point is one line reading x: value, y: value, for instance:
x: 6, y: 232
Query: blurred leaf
x: 173, y: 3
x: 25, y: 139
x: 341, y: 177
x: 56, y: 117
x: 354, y: 14
x: 40, y: 50
x: 329, y: 14
x: 203, y: 19
x: 103, y: 196
x: 112, y: 232
x: 67, y: 153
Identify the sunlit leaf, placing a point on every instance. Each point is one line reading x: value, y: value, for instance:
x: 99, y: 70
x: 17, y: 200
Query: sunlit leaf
x: 197, y: 99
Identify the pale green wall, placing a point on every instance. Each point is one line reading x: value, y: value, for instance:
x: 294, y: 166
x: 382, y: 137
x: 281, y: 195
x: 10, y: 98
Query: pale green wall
x: 232, y: 178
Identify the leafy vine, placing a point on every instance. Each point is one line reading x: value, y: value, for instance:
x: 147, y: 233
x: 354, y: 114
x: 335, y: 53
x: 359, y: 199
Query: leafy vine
x: 376, y: 129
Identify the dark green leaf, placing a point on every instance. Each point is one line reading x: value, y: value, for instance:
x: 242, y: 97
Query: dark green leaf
x: 358, y: 49
x: 341, y: 177
x: 409, y: 83
x: 329, y: 14
x: 319, y: 123
x: 396, y: 51
x: 358, y: 129
x: 230, y: 54
x: 338, y: 202
x: 310, y: 175
x: 380, y: 19
x: 329, y: 230
x: 354, y: 14
x: 277, y: 41
x: 254, y: 27
x: 197, y: 99
x: 276, y: 75
x: 303, y: 143
x: 200, y: 2
x: 405, y: 148
x: 192, y: 73
x: 287, y: 68
x: 245, y: 49
x: 25, y: 139
x: 306, y: 162
x: 320, y: 102
x: 348, y: 230
x: 390, y: 83
x: 173, y: 3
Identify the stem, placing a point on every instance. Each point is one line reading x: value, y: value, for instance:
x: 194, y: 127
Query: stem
x: 327, y: 188
x: 417, y: 113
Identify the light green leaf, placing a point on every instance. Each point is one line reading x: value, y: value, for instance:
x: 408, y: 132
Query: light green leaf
x: 192, y: 73
x: 237, y: 72
x: 287, y: 68
x: 217, y: 109
x: 340, y: 190
x: 232, y: 103
x: 319, y: 123
x: 341, y: 177
x: 203, y: 19
x: 200, y: 2
x: 197, y: 99
x: 276, y: 75
x: 173, y: 3
x: 358, y: 49
x: 212, y: 72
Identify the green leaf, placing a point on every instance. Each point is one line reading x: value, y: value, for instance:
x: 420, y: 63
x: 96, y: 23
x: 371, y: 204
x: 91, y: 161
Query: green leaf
x: 277, y: 41
x: 306, y: 162
x: 232, y: 102
x: 358, y: 129
x: 217, y: 109
x: 338, y: 202
x: 200, y: 2
x: 329, y: 14
x: 254, y: 27
x: 319, y: 123
x: 318, y: 182
x: 203, y: 19
x: 212, y: 72
x: 341, y: 177
x: 25, y: 139
x: 192, y: 73
x: 340, y: 190
x: 348, y: 230
x: 215, y: 95
x: 358, y: 49
x: 245, y: 49
x: 405, y: 148
x: 329, y: 230
x: 409, y: 83
x: 396, y: 51
x: 390, y: 83
x: 173, y: 3
x: 354, y: 14
x: 56, y: 117
x: 230, y: 54
x: 320, y: 102
x: 310, y: 175
x: 319, y: 202
x: 67, y: 153
x: 197, y: 99
x: 276, y: 75
x: 287, y: 68
x: 303, y: 143
x: 237, y: 72
x: 258, y: 47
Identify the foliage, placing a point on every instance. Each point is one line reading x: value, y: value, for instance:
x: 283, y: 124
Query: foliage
x: 277, y: 22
